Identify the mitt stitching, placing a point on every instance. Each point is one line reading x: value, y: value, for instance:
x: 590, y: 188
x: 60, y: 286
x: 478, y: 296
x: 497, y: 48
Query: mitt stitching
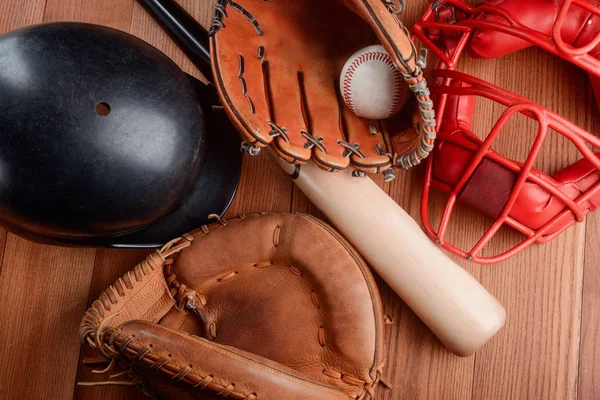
x: 221, y: 12
x: 276, y: 236
x: 277, y: 130
x: 183, y: 292
x: 258, y: 140
x: 313, y: 295
x: 169, y: 250
x: 312, y: 141
x: 371, y: 56
x: 188, y: 369
x: 347, y: 378
x: 183, y: 372
x: 121, y: 288
x: 370, y: 283
x: 130, y: 343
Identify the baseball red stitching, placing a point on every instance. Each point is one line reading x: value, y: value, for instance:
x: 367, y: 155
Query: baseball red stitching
x: 371, y: 56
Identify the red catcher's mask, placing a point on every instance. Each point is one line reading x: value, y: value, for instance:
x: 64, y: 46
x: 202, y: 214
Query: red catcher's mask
x: 514, y: 193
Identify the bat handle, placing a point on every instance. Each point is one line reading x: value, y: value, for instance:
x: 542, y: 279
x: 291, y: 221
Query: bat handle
x: 189, y: 35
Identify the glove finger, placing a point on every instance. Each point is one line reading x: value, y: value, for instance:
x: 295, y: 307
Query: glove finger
x: 405, y: 133
x: 391, y: 33
x: 239, y: 77
x: 395, y: 38
x: 288, y: 125
x: 323, y: 114
x: 369, y: 147
x: 252, y: 75
x: 209, y: 367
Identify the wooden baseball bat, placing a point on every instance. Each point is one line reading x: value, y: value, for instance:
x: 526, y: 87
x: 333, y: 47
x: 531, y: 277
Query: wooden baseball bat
x: 458, y: 310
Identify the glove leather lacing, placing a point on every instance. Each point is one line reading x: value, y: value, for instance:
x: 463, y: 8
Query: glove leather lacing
x: 412, y: 75
x: 125, y: 351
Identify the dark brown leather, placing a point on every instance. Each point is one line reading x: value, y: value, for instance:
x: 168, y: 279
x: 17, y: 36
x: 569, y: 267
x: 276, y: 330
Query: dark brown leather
x: 277, y: 65
x: 275, y: 306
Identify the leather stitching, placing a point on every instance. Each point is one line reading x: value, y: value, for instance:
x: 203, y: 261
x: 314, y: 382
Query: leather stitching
x: 258, y: 139
x: 371, y: 285
x: 149, y: 358
x: 241, y: 71
x: 344, y: 377
x: 143, y: 354
x: 366, y: 57
x: 294, y: 270
x: 366, y: 387
x: 221, y: 12
x: 95, y: 315
x: 183, y: 372
x: 276, y: 236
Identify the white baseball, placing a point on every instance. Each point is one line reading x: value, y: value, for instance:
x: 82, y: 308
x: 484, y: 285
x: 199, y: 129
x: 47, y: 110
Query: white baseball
x: 372, y: 87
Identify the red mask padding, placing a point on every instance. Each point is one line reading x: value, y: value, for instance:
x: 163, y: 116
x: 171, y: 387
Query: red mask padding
x: 579, y: 29
x: 538, y: 205
x: 539, y: 15
x: 490, y: 186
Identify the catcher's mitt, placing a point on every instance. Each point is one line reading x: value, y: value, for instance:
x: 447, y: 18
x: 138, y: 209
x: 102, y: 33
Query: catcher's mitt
x: 274, y: 306
x: 276, y: 64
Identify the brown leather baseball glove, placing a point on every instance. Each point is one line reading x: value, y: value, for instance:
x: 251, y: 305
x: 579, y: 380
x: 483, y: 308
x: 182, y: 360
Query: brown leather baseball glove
x: 276, y: 65
x: 273, y: 306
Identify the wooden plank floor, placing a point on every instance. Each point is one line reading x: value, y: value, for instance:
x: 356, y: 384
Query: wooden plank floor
x: 549, y: 349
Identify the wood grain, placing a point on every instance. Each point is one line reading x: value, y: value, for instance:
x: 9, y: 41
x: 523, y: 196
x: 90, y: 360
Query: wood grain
x: 252, y: 195
x: 43, y: 293
x: 3, y: 234
x: 547, y: 350
x: 589, y: 359
x: 536, y: 356
x: 16, y: 14
x: 412, y: 347
x: 589, y: 362
x: 113, y: 13
x: 110, y: 264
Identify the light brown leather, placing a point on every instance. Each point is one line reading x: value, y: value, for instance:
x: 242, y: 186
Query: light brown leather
x: 277, y: 65
x: 141, y: 294
x: 275, y: 306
